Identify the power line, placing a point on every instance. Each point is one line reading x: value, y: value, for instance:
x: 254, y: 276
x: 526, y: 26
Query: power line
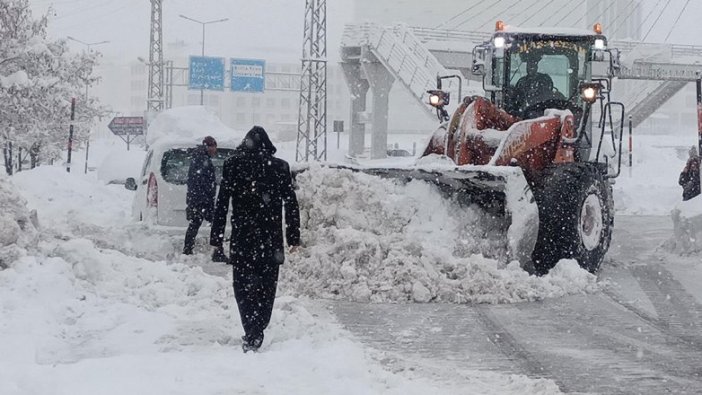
x: 568, y: 11
x: 650, y: 12
x: 613, y: 23
x: 656, y: 21
x: 498, y: 14
x: 478, y: 14
x: 460, y: 14
x: 676, y: 20
x: 526, y: 8
x: 538, y: 11
x: 598, y: 17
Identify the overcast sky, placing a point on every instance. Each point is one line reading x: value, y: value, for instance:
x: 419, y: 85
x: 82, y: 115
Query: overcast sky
x: 270, y: 29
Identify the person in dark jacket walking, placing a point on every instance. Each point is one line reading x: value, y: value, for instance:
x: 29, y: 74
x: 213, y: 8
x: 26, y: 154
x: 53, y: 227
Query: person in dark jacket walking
x: 258, y: 186
x: 690, y: 176
x: 200, y: 198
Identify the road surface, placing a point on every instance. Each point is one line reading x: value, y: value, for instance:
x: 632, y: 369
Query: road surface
x: 640, y: 335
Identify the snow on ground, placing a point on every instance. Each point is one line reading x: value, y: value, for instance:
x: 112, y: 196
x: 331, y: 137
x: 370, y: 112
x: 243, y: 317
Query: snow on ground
x: 86, y: 315
x: 651, y: 187
x: 103, y: 305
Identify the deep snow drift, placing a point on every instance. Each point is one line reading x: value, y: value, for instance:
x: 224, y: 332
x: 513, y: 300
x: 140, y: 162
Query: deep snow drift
x: 83, y: 314
x: 17, y: 224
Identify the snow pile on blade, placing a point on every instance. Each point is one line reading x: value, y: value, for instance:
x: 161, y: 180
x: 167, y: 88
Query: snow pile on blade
x: 17, y: 224
x: 372, y: 239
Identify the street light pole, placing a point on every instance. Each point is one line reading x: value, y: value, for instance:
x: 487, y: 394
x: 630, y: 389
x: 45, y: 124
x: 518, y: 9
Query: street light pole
x: 202, y: 91
x: 87, y: 144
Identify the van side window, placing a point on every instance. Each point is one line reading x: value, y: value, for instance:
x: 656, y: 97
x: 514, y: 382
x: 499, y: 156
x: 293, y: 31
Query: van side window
x: 147, y: 162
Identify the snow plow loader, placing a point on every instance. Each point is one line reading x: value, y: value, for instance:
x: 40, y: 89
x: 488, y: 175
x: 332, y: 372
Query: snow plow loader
x: 531, y: 152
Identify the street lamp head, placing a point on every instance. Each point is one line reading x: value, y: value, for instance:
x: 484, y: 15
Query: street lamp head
x: 190, y: 19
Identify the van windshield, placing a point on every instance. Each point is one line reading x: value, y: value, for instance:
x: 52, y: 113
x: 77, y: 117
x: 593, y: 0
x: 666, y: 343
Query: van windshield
x: 176, y: 162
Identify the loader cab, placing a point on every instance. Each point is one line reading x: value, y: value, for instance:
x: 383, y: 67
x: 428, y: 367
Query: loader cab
x: 526, y: 72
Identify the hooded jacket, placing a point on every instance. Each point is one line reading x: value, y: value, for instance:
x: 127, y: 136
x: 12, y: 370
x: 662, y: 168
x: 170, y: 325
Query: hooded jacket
x: 690, y: 178
x: 201, y: 185
x: 257, y: 186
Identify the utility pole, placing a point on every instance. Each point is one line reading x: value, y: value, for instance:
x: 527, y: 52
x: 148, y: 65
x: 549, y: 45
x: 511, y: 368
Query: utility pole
x: 202, y: 91
x: 70, y: 134
x: 312, y: 115
x: 155, y: 97
x: 87, y: 144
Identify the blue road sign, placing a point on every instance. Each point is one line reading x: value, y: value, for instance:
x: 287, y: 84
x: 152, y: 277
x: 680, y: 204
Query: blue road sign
x: 248, y: 75
x: 206, y: 73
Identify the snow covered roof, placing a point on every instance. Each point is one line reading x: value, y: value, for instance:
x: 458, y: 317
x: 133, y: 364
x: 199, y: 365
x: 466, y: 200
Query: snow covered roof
x: 557, y: 31
x: 190, y: 124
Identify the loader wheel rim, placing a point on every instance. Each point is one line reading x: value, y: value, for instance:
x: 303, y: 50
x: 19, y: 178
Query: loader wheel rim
x: 591, y: 223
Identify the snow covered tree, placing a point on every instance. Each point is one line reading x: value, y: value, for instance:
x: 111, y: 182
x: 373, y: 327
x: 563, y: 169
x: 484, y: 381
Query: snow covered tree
x: 38, y: 78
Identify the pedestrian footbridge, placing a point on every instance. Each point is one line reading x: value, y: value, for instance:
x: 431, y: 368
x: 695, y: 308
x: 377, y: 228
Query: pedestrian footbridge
x: 374, y: 57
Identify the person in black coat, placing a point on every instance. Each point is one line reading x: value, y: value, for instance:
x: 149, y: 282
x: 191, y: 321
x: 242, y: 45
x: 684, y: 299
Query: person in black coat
x: 258, y: 186
x: 201, y: 190
x: 690, y: 176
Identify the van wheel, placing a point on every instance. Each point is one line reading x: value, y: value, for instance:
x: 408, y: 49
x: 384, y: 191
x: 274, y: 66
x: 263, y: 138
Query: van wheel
x: 576, y: 216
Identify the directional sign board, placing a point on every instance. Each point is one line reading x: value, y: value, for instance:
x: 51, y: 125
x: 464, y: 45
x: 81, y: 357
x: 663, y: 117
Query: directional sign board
x: 206, y: 73
x: 248, y: 75
x: 124, y: 126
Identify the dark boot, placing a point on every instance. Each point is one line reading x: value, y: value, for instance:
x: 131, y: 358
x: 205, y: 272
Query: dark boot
x: 251, y: 344
x: 219, y: 256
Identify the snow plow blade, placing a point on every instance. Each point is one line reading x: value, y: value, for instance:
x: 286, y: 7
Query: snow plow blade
x: 500, y: 191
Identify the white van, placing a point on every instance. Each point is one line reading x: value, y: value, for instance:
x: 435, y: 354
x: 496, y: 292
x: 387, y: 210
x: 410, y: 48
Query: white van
x: 161, y: 186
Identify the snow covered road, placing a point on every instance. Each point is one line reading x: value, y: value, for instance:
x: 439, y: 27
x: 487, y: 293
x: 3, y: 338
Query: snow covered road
x: 641, y: 334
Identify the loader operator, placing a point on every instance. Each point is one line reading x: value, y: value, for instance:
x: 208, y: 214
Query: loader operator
x: 534, y: 87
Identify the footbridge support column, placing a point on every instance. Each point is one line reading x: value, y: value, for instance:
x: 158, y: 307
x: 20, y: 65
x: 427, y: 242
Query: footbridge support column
x: 380, y: 81
x: 358, y: 87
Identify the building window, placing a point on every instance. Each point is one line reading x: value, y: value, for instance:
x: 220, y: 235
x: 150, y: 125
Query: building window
x: 138, y: 84
x: 138, y: 101
x: 138, y: 68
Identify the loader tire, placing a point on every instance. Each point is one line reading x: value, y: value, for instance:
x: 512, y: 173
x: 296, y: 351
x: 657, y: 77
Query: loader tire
x: 576, y: 216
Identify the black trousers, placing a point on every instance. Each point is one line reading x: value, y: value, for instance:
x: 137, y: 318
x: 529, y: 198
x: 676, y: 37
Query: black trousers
x: 191, y: 233
x: 255, y: 284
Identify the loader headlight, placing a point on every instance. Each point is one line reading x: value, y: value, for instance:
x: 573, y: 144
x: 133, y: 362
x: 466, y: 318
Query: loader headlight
x: 599, y: 43
x: 499, y: 42
x: 438, y: 98
x: 589, y: 92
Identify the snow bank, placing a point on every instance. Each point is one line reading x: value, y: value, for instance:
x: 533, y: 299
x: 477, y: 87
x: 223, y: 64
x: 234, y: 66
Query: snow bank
x: 370, y: 239
x: 120, y: 164
x: 68, y: 201
x: 17, y: 224
x: 651, y: 186
x: 190, y: 123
